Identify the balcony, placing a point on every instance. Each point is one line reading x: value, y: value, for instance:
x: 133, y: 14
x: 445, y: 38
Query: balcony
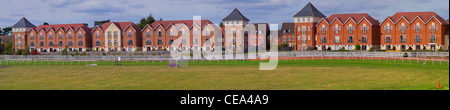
x: 403, y: 40
x: 387, y: 40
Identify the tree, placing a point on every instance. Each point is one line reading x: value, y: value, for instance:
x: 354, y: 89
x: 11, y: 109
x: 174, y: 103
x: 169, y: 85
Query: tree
x: 64, y: 51
x: 96, y: 23
x: 86, y: 24
x: 45, y: 23
x: 145, y: 21
x: 160, y: 19
x: 7, y: 30
x: 221, y: 24
x: 26, y: 51
x: 9, y: 50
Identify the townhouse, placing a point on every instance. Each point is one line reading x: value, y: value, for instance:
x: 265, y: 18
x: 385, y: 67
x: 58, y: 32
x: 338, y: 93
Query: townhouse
x: 160, y: 35
x: 239, y: 33
x: 344, y: 31
x: 54, y: 38
x: 287, y: 35
x: 414, y: 31
x: 117, y: 36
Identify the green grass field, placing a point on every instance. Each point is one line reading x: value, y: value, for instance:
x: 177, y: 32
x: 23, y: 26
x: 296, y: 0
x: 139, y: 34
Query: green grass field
x: 224, y: 75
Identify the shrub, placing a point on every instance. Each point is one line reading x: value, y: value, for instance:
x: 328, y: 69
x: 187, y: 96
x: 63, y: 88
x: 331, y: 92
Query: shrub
x: 83, y: 53
x: 405, y: 55
x: 357, y: 47
x: 76, y: 52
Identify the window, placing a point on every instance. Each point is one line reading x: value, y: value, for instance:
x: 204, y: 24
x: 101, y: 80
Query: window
x: 80, y: 43
x: 70, y: 36
x: 207, y: 41
x: 298, y: 28
x: 387, y: 39
x: 417, y: 28
x: 324, y: 39
x: 170, y: 41
x: 50, y: 43
x: 402, y: 38
x: 116, y: 43
x: 60, y: 36
x: 50, y: 36
x: 350, y: 30
x: 433, y: 38
x: 284, y: 38
x: 97, y: 43
x: 364, y: 39
x: 32, y: 44
x: 350, y: 39
x: 41, y: 37
x: 323, y: 30
x: 147, y: 34
x: 289, y: 38
x: 417, y: 39
x: 80, y: 36
x: 160, y: 42
x: 41, y: 44
x: 148, y: 42
x: 336, y: 39
x: 60, y: 43
x: 309, y: 37
x: 32, y: 37
x: 97, y: 35
x: 402, y: 30
x: 109, y: 35
x: 130, y: 42
x: 298, y: 37
x: 70, y: 43
x: 303, y: 39
x: 309, y: 28
x: 303, y: 31
x: 196, y: 41
x: 115, y: 34
x: 109, y: 42
x: 129, y: 34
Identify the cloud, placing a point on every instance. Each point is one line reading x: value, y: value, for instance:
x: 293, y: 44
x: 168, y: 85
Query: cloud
x: 97, y: 8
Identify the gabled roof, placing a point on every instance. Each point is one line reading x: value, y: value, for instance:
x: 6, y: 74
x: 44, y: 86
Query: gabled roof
x: 23, y: 23
x: 309, y: 10
x: 65, y: 27
x: 189, y: 23
x: 235, y: 15
x: 357, y: 17
x: 288, y: 26
x: 121, y: 25
x: 410, y: 16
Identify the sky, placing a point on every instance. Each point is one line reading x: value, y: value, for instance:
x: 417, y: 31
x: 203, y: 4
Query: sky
x: 258, y: 11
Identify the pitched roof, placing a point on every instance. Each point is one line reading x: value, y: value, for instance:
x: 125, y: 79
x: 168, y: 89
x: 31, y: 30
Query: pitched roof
x: 120, y: 25
x: 64, y: 27
x: 357, y: 17
x: 410, y: 16
x: 235, y: 15
x: 23, y: 23
x: 309, y: 10
x: 189, y: 23
x: 288, y: 27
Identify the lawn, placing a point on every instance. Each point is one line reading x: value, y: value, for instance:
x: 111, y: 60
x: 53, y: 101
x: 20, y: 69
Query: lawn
x: 224, y: 75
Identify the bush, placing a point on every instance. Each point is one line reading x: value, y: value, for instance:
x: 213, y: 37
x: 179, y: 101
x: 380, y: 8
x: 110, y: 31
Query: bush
x: 371, y: 49
x: 104, y: 54
x: 26, y: 51
x: 83, y: 53
x: 65, y: 51
x: 76, y: 52
x: 357, y: 47
x: 405, y: 55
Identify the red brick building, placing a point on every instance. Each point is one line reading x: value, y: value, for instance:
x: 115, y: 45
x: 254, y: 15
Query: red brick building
x: 413, y: 31
x: 287, y: 35
x: 161, y: 34
x: 54, y: 38
x: 344, y: 31
x: 305, y: 27
x: 117, y: 36
x: 19, y: 31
